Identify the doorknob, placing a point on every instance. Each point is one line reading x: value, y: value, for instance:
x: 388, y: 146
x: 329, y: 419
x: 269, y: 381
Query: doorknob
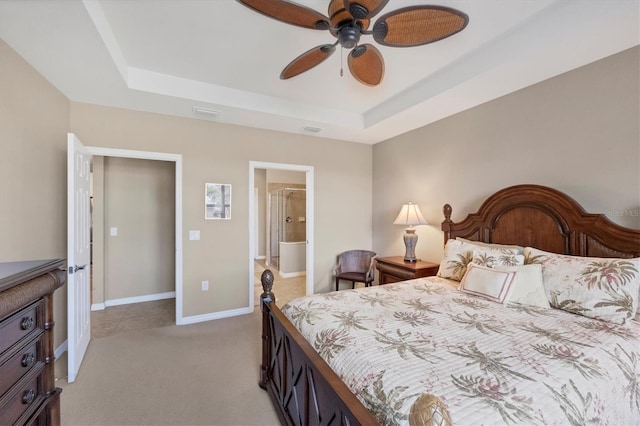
x: 76, y: 268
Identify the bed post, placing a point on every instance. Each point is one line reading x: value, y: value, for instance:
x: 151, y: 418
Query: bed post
x: 267, y: 296
x: 446, y: 224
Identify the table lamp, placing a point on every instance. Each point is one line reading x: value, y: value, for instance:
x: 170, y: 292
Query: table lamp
x: 409, y: 216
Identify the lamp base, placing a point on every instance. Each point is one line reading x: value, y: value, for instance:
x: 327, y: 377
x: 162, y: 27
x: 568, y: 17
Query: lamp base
x: 410, y: 240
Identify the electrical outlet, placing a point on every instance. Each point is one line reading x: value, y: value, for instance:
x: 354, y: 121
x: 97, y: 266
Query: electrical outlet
x: 205, y: 285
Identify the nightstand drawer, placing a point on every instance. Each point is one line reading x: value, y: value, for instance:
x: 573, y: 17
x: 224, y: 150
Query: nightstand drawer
x: 400, y: 273
x: 394, y: 268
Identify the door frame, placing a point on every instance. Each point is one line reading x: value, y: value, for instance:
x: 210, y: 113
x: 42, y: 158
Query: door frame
x: 160, y: 156
x: 308, y: 171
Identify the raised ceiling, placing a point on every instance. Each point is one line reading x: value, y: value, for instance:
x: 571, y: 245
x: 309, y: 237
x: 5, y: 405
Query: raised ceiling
x: 169, y: 56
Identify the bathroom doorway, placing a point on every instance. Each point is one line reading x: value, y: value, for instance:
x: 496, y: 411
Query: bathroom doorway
x: 289, y: 176
x: 287, y: 230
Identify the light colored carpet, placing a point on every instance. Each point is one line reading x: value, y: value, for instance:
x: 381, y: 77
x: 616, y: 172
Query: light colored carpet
x: 200, y: 374
x: 134, y: 316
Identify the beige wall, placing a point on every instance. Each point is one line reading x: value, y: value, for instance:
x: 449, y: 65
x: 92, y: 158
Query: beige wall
x: 34, y: 118
x: 139, y: 201
x: 578, y: 132
x: 214, y: 152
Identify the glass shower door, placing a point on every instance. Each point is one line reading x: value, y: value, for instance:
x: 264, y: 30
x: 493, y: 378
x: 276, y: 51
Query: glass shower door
x: 274, y: 229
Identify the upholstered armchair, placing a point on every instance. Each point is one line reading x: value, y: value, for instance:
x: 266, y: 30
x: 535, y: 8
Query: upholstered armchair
x: 355, y: 266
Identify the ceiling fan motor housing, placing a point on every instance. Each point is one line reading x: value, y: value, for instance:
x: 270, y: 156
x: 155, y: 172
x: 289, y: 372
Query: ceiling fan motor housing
x: 348, y: 36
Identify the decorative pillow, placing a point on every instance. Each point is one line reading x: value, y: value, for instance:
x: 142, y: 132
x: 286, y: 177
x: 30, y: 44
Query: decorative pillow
x: 492, y: 258
x: 519, y: 249
x: 457, y: 255
x: 602, y: 288
x: 528, y: 288
x: 492, y: 284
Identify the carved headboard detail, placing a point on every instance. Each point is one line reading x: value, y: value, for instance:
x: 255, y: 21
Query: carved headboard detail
x: 545, y: 218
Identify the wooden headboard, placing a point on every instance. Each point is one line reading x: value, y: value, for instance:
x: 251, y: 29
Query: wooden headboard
x: 544, y: 218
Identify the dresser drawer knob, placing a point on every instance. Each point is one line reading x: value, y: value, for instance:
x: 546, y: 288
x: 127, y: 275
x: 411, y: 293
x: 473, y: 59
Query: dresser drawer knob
x: 28, y: 359
x: 28, y: 396
x: 27, y: 323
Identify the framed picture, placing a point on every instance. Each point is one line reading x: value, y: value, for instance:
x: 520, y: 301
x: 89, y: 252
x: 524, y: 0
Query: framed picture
x: 217, y: 201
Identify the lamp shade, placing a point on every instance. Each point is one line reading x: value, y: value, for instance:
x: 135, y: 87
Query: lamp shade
x: 410, y: 215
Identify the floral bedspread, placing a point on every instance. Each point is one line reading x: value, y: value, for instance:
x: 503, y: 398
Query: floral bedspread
x: 489, y: 363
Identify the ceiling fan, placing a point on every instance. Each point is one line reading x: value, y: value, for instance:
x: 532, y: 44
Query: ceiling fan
x: 348, y: 20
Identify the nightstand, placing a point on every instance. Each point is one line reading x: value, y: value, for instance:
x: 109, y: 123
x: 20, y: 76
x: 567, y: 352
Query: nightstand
x: 393, y: 269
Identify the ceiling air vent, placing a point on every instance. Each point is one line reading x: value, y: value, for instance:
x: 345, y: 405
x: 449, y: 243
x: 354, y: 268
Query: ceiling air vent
x: 205, y: 112
x: 311, y: 129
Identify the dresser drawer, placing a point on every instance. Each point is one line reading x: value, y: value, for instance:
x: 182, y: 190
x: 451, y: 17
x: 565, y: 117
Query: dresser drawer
x: 26, y: 322
x: 23, y: 399
x: 21, y: 362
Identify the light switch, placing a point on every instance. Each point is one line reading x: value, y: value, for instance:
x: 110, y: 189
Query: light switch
x: 114, y: 231
x: 194, y: 235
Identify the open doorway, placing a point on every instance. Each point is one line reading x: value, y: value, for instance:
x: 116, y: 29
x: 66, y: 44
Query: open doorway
x: 176, y: 159
x: 281, y: 231
x: 133, y: 244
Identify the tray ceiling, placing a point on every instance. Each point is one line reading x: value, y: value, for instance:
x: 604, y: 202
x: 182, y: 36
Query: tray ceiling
x: 173, y: 55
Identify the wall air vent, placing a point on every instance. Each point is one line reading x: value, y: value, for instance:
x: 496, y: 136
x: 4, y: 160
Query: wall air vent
x: 205, y: 112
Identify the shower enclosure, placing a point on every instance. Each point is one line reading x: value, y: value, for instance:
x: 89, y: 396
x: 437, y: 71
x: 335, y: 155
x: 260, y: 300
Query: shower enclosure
x: 288, y: 230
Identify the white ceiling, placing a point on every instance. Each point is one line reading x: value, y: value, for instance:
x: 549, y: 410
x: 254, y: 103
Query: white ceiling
x: 167, y: 56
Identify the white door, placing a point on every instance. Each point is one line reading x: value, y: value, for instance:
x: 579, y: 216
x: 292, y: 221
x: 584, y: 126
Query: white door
x: 78, y: 253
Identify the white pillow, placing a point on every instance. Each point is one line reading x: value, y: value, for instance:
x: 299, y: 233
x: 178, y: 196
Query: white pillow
x: 528, y: 288
x: 492, y: 284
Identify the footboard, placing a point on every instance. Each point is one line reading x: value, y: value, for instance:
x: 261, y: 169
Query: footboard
x: 303, y: 388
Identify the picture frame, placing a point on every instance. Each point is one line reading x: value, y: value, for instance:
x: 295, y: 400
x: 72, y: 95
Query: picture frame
x: 217, y: 201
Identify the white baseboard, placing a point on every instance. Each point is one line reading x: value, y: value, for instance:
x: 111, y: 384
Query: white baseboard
x: 260, y: 257
x: 216, y: 315
x: 136, y: 299
x: 98, y: 307
x: 139, y: 299
x: 57, y: 353
x: 292, y: 274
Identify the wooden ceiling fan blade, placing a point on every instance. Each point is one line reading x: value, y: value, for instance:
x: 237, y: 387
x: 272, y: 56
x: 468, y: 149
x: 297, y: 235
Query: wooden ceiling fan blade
x: 361, y: 9
x: 366, y: 64
x: 339, y: 15
x: 417, y: 25
x: 289, y: 12
x: 307, y: 60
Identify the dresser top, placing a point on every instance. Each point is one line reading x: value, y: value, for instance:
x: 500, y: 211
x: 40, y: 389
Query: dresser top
x: 12, y: 273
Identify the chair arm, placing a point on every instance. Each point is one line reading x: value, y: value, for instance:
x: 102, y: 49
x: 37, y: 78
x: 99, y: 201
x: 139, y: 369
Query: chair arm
x: 371, y: 271
x: 338, y: 269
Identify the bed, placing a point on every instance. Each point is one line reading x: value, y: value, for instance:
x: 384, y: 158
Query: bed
x: 575, y: 364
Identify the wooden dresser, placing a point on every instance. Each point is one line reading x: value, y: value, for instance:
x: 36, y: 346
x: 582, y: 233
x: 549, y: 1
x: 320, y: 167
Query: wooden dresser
x: 28, y: 395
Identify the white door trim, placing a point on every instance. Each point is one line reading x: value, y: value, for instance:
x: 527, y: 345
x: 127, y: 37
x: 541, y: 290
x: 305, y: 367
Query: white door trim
x: 161, y: 156
x: 308, y: 170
